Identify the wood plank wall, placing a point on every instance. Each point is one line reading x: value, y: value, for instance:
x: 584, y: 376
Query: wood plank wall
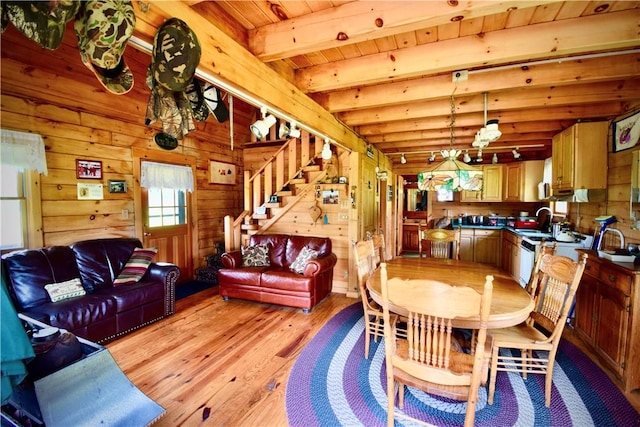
x: 618, y: 199
x: 53, y: 94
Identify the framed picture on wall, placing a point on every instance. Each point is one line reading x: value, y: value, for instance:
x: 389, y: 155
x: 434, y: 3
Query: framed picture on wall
x: 88, y: 169
x: 117, y: 186
x: 626, y: 132
x: 222, y: 173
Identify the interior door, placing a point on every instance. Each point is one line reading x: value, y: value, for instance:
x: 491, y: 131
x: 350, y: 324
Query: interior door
x: 166, y: 227
x: 399, y: 213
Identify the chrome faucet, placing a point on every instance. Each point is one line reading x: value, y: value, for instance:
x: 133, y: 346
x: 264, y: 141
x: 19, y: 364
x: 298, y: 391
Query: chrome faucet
x: 615, y: 230
x: 548, y: 222
x: 544, y: 208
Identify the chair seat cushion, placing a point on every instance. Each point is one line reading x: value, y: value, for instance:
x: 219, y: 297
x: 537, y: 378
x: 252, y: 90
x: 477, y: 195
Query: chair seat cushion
x: 286, y: 279
x: 517, y: 336
x: 133, y: 295
x: 76, y: 313
x: 241, y: 276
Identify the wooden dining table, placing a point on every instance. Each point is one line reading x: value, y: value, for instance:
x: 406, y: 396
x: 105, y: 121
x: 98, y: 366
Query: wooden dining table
x: 510, y: 303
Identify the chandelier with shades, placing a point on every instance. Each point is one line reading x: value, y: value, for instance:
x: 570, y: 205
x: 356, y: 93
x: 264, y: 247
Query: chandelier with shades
x: 451, y: 174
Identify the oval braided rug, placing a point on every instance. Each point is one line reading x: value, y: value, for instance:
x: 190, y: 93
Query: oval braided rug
x: 332, y: 384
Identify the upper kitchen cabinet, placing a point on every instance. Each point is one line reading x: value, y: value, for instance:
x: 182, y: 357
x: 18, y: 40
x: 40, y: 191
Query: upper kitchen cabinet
x: 579, y: 158
x: 491, y: 186
x: 521, y: 181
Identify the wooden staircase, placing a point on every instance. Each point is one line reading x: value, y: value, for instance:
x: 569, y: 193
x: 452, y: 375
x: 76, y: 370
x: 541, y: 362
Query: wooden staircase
x: 292, y: 172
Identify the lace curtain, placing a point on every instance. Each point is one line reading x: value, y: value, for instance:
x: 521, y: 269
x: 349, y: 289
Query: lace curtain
x: 24, y: 150
x: 162, y: 175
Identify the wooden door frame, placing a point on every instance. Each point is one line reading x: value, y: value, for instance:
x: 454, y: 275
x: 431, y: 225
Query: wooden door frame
x: 140, y: 154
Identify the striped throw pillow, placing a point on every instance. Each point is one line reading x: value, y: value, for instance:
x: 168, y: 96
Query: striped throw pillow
x: 137, y: 266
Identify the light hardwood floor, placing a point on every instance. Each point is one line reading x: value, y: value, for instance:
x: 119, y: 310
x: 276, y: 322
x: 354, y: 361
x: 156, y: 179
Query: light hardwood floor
x: 230, y: 359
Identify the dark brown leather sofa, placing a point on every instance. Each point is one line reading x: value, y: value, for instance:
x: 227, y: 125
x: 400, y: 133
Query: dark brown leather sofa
x: 105, y: 312
x: 277, y: 284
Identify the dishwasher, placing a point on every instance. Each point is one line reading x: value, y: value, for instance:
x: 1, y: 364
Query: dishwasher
x: 527, y: 259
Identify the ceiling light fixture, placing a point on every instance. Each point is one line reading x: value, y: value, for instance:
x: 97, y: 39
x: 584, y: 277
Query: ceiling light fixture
x: 490, y: 132
x: 261, y: 127
x: 466, y: 158
x: 403, y: 159
x: 326, y: 150
x: 288, y: 132
x: 516, y: 153
x: 450, y: 174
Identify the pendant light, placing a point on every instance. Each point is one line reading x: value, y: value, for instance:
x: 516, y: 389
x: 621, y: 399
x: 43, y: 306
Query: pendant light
x: 451, y: 174
x: 326, y: 150
x: 490, y: 132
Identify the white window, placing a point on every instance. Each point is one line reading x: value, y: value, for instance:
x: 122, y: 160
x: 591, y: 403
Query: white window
x: 22, y: 159
x: 13, y: 209
x: 167, y: 206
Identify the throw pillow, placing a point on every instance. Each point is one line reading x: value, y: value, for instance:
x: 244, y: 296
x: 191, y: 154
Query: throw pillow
x: 137, y: 266
x: 255, y: 256
x: 64, y: 290
x: 302, y: 259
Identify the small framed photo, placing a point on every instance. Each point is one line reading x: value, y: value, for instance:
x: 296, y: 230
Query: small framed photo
x: 116, y: 186
x: 88, y: 169
x: 626, y: 132
x: 342, y: 180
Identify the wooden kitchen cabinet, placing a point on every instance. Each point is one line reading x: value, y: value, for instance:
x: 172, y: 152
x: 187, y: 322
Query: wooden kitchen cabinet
x: 481, y: 245
x: 579, y: 158
x: 492, y: 180
x: 466, y: 244
x: 511, y: 254
x: 410, y: 238
x: 607, y: 317
x: 521, y: 181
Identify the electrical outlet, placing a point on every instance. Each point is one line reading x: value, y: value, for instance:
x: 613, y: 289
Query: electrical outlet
x: 343, y: 217
x: 125, y: 214
x: 460, y: 76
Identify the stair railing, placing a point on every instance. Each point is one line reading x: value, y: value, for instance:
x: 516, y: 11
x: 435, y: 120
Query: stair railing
x: 259, y: 187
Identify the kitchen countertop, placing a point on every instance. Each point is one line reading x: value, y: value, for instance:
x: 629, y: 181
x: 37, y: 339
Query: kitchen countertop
x: 486, y: 227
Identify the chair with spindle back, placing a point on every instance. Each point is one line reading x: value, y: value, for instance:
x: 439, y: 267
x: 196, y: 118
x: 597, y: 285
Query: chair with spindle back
x: 428, y: 356
x: 365, y: 260
x: 439, y: 243
x: 556, y: 284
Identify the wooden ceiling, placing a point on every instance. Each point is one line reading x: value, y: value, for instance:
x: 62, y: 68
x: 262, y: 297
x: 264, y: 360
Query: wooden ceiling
x: 385, y: 69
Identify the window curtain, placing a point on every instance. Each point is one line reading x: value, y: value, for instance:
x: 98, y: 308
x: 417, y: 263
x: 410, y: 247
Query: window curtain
x: 162, y: 175
x: 24, y: 150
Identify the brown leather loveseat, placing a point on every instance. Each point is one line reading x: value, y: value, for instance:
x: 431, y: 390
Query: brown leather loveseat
x: 277, y: 283
x: 105, y: 311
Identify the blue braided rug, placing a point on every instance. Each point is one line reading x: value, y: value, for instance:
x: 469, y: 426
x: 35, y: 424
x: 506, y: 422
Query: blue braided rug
x: 332, y: 384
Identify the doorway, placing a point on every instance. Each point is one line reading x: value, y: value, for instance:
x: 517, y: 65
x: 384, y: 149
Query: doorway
x: 165, y: 216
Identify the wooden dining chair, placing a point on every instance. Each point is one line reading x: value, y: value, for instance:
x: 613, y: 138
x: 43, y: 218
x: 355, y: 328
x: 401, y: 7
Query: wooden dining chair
x: 439, y: 243
x: 543, y: 250
x: 379, y: 248
x: 556, y: 284
x: 428, y: 356
x: 364, y: 255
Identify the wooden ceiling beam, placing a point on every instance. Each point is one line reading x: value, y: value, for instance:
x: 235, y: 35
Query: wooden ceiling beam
x: 595, y: 33
x: 543, y: 75
x: 569, y: 113
x: 358, y: 22
x: 406, y: 144
x: 515, y: 128
x: 517, y: 99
